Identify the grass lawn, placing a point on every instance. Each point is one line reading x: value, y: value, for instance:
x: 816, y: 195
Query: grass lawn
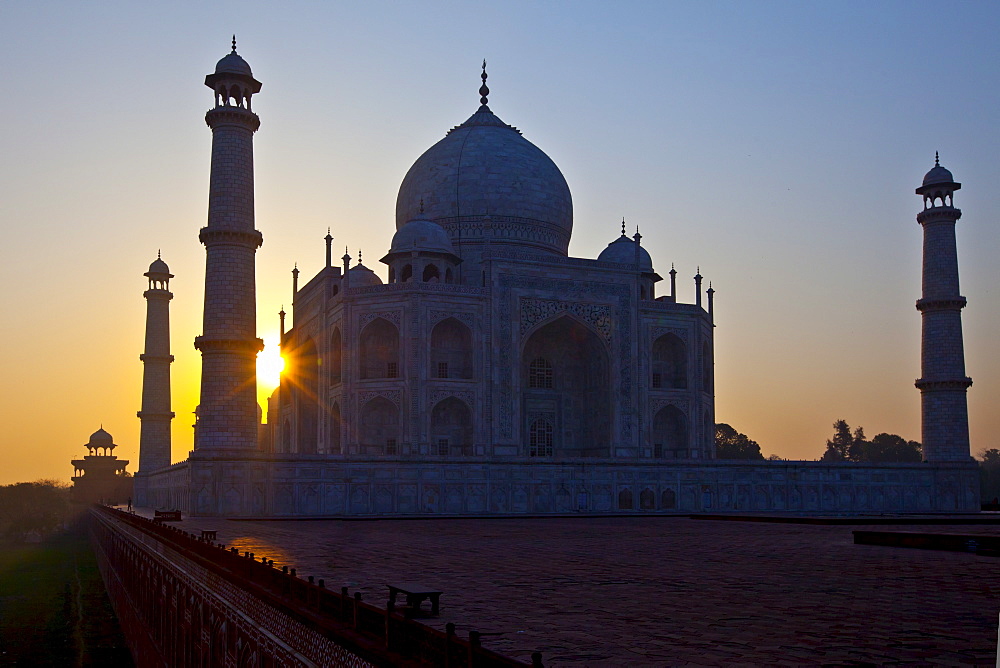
x: 54, y: 610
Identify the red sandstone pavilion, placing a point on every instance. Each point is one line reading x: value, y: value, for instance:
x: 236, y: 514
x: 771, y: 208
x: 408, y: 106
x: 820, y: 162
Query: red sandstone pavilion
x: 494, y: 374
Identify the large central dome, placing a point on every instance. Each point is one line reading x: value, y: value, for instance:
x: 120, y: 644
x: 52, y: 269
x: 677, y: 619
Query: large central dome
x: 484, y: 182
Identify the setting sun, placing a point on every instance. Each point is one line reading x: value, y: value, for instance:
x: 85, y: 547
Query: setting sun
x: 270, y: 363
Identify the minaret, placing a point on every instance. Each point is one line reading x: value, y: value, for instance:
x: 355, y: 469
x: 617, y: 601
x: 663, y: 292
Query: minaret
x: 943, y: 383
x: 227, y: 417
x: 155, y: 416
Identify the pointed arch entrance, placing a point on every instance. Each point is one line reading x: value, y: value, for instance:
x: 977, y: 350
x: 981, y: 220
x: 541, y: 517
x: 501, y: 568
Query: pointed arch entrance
x: 566, y: 383
x: 379, y: 427
x: 670, y: 433
x: 451, y: 427
x: 306, y: 384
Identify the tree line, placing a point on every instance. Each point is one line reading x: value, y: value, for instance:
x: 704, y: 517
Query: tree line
x: 852, y: 446
x: 33, y: 509
x: 845, y: 446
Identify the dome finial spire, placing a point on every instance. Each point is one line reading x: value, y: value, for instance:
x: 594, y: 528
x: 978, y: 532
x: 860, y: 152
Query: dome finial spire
x: 484, y: 89
x: 158, y: 254
x: 234, y: 42
x: 623, y: 226
x: 937, y: 159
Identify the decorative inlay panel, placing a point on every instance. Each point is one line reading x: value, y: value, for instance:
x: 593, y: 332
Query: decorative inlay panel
x: 534, y: 311
x: 368, y: 395
x: 468, y: 396
x: 467, y: 319
x: 391, y: 316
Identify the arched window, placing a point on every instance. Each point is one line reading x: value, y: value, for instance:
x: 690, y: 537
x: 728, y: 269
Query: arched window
x: 670, y: 433
x: 379, y: 350
x: 335, y: 428
x: 431, y: 274
x: 647, y: 500
x: 451, y: 350
x: 392, y: 274
x: 336, y: 357
x: 668, y: 500
x: 451, y: 427
x: 540, y: 438
x: 669, y: 363
x: 540, y: 374
x: 625, y: 499
x: 380, y: 427
x: 706, y: 363
x: 448, y: 275
x: 709, y: 426
x: 306, y: 386
x: 407, y: 274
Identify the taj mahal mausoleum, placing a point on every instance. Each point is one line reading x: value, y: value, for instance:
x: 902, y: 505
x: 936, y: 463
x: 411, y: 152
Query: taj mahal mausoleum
x: 494, y: 374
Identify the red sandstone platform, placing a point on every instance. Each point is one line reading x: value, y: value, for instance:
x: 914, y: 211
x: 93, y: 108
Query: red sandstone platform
x: 661, y: 590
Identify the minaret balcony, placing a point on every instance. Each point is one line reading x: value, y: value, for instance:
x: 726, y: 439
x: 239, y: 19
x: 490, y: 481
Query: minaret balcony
x: 939, y: 214
x: 215, y: 235
x: 942, y: 385
x: 223, y: 115
x: 254, y: 345
x: 956, y: 304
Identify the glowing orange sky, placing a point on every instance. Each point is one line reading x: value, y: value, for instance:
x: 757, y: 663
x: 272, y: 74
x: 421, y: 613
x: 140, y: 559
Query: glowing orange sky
x: 775, y: 146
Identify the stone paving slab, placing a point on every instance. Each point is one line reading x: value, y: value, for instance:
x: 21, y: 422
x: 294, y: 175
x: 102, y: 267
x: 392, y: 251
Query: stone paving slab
x: 661, y: 590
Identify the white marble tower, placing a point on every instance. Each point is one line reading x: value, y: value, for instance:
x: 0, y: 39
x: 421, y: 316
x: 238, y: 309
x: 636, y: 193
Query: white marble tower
x: 154, y: 435
x: 943, y: 383
x: 155, y: 415
x: 227, y: 417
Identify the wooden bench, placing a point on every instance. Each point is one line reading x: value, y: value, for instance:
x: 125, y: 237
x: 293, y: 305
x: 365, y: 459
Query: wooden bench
x: 415, y: 595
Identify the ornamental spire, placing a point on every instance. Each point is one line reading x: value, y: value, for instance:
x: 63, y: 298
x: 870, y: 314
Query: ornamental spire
x: 484, y: 89
x: 234, y: 42
x: 937, y: 160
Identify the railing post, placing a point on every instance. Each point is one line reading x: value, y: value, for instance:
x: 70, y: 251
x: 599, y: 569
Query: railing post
x: 474, y: 644
x: 449, y: 637
x: 389, y: 609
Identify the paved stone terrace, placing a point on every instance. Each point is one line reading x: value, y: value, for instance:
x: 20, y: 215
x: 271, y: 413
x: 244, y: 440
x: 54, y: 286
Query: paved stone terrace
x: 661, y: 590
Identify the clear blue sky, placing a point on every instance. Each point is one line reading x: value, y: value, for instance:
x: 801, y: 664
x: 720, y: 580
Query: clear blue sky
x: 775, y: 144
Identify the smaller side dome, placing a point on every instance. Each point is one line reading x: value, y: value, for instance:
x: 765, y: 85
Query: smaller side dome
x: 361, y: 276
x: 622, y: 251
x: 421, y: 235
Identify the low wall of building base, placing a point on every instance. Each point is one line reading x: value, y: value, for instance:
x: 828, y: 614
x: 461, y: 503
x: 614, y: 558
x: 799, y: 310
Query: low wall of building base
x: 259, y: 485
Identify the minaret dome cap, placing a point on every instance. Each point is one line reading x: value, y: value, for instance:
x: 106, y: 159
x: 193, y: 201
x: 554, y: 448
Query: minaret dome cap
x: 938, y: 174
x: 158, y: 268
x: 233, y: 63
x: 230, y: 67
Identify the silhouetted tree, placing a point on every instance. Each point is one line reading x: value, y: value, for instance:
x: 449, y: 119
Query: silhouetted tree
x: 731, y: 444
x: 858, y: 449
x: 892, y: 448
x: 838, y: 448
x: 32, y: 508
x: 854, y: 447
x: 989, y: 474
